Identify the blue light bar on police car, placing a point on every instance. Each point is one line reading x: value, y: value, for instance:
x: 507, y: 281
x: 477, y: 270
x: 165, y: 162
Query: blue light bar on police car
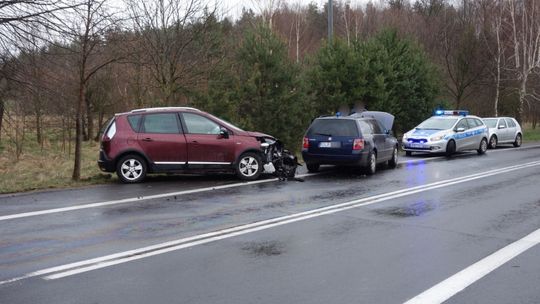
x: 452, y: 112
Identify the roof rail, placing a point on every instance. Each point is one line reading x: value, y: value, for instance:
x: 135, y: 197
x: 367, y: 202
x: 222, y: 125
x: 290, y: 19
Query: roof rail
x: 163, y: 108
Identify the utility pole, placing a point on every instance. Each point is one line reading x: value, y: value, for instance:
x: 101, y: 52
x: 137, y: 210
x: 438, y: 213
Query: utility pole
x: 330, y: 21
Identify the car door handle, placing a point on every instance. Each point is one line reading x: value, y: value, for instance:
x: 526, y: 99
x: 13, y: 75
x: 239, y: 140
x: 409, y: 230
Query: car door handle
x: 147, y: 139
x: 194, y: 142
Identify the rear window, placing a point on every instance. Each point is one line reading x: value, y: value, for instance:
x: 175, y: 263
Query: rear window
x: 511, y: 123
x: 107, y: 125
x: 333, y: 127
x: 491, y: 122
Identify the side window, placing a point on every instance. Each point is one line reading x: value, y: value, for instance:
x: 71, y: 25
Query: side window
x: 472, y: 123
x: 134, y: 121
x: 502, y: 122
x: 479, y: 122
x: 365, y: 127
x: 462, y: 124
x: 376, y: 128
x: 196, y: 124
x: 164, y: 123
x: 511, y: 123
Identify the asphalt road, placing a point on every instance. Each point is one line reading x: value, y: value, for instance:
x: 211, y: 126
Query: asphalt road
x: 459, y: 230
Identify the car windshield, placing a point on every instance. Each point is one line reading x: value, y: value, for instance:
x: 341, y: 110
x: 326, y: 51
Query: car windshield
x: 334, y: 127
x: 491, y: 123
x: 227, y: 124
x: 437, y: 123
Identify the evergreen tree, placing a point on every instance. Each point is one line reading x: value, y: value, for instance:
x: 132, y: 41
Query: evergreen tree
x: 262, y: 89
x: 337, y: 77
x: 401, y: 79
x: 385, y: 73
x: 271, y: 92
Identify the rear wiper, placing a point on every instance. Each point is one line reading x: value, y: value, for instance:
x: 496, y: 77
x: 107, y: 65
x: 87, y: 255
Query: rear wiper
x: 323, y: 134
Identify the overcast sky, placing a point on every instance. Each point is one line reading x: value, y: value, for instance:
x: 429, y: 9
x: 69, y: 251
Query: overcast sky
x: 234, y: 7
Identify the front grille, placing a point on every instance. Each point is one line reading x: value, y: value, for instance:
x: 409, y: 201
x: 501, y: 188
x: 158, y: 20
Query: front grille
x: 417, y: 140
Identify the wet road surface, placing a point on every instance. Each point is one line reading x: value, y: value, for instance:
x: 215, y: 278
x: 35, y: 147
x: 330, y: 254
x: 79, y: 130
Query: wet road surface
x: 338, y: 237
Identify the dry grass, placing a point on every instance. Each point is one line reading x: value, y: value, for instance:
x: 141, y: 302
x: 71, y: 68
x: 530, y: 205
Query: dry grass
x: 530, y: 134
x: 47, y: 167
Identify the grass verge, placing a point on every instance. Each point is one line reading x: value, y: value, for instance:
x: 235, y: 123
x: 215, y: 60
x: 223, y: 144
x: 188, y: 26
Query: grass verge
x: 530, y: 134
x: 47, y: 167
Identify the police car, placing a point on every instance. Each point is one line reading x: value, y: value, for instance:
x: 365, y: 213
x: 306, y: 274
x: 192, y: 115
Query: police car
x: 447, y: 132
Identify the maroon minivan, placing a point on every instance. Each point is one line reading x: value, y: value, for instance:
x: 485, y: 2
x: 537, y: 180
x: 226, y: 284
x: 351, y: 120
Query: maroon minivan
x: 178, y: 139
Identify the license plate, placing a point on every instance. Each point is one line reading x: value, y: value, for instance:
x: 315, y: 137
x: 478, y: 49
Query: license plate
x: 417, y: 145
x: 325, y: 145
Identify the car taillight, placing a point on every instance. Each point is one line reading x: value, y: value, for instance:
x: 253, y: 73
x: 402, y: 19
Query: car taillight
x: 358, y: 144
x: 306, y: 143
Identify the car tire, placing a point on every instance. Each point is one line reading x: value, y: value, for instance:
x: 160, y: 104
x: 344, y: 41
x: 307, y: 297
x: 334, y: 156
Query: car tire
x: 392, y: 162
x: 408, y: 153
x: 483, y: 146
x: 450, y: 148
x: 493, y: 142
x: 131, y: 169
x: 312, y: 168
x: 249, y: 166
x: 371, y: 167
x: 518, y: 140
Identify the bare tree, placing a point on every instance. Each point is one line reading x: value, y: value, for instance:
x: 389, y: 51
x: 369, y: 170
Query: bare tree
x: 20, y: 19
x: 168, y: 35
x: 462, y: 54
x: 267, y: 9
x: 491, y: 14
x: 3, y: 93
x: 524, y: 24
x: 299, y: 22
x: 90, y: 24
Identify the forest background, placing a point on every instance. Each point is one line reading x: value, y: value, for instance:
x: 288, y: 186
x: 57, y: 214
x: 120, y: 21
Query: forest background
x: 66, y: 66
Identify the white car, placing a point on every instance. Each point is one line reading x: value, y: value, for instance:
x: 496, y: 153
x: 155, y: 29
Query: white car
x: 447, y: 132
x: 503, y: 130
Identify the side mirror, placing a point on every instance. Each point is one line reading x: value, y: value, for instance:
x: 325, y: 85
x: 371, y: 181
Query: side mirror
x: 502, y: 127
x: 224, y: 133
x: 460, y: 129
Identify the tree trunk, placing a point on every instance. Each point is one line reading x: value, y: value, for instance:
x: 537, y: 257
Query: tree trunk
x: 79, y: 131
x: 100, y: 123
x: 89, y: 120
x: 2, y: 108
x: 39, y: 133
x: 522, y: 94
x: 497, y: 82
x: 297, y: 39
x: 63, y: 134
x: 535, y: 116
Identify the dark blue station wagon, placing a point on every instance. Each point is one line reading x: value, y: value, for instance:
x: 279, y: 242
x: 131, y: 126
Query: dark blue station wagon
x: 362, y: 139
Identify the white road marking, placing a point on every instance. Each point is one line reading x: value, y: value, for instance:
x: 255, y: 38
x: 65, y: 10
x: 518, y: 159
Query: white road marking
x: 138, y: 199
x: 156, y: 196
x: 131, y: 255
x: 184, y: 192
x: 461, y: 280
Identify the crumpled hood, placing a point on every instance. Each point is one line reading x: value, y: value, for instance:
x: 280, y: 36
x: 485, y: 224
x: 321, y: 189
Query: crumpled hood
x: 259, y: 134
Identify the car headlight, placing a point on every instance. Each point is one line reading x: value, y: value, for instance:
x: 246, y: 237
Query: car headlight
x: 405, y: 136
x: 437, y: 138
